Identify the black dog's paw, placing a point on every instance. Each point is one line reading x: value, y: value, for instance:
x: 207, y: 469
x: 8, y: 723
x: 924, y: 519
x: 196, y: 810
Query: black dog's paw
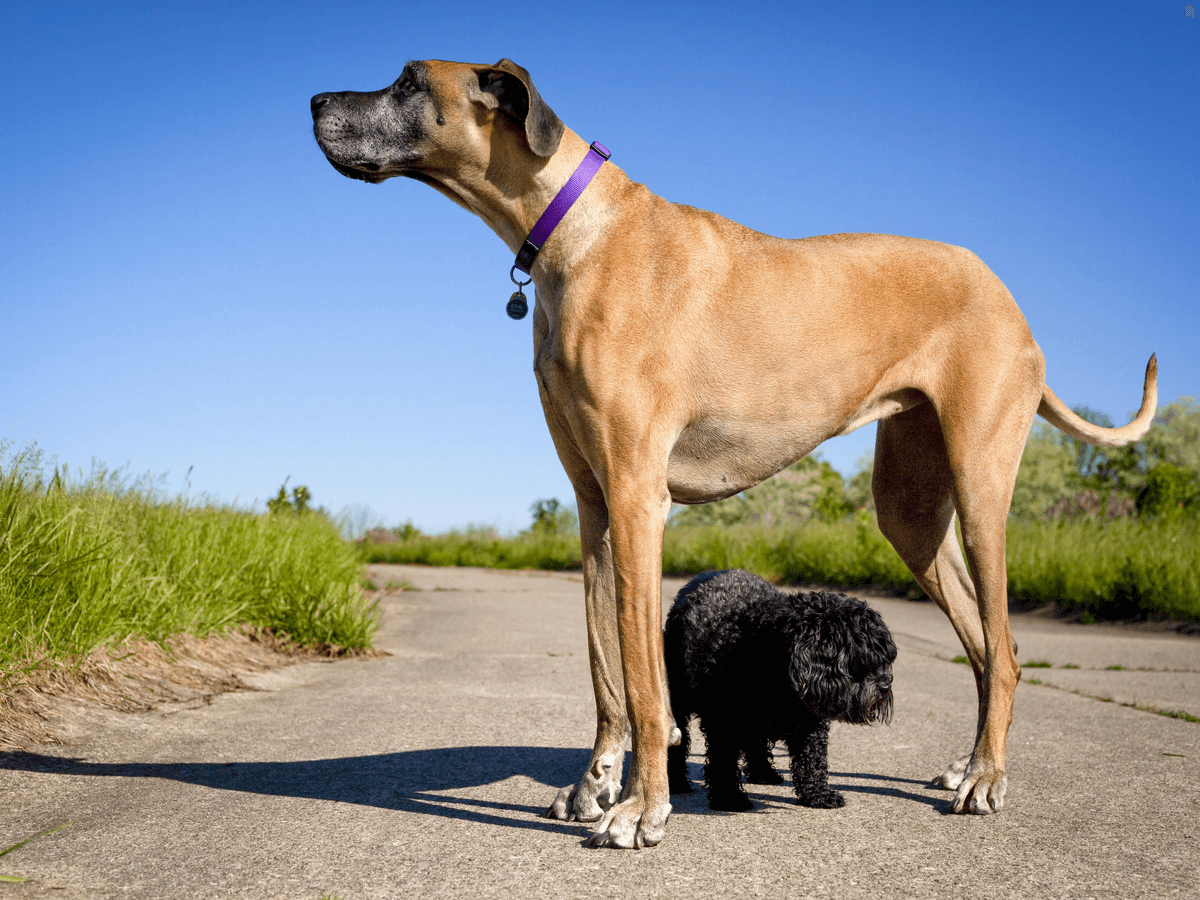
x: 765, y: 775
x: 824, y: 800
x: 729, y: 801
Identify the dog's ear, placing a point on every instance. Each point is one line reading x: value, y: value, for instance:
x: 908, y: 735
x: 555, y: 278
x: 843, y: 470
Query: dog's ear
x: 818, y: 667
x: 511, y: 89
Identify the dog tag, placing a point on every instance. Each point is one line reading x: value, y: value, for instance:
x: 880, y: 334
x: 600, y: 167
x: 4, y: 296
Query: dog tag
x: 517, y: 307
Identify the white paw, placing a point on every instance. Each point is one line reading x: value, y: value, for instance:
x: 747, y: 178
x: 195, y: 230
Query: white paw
x: 953, y: 776
x: 981, y: 794
x: 631, y: 825
x: 597, y: 791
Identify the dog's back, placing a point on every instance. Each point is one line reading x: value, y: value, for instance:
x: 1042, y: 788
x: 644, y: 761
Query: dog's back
x: 719, y: 636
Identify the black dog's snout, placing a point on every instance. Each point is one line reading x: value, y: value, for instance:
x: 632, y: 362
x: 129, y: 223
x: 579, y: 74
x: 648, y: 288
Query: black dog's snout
x: 885, y: 684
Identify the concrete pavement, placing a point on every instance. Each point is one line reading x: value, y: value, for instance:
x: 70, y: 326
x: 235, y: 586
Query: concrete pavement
x: 423, y: 774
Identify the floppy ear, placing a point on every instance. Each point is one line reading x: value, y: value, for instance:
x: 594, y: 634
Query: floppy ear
x: 515, y: 94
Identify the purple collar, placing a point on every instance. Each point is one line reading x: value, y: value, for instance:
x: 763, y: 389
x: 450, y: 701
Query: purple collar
x: 563, y: 200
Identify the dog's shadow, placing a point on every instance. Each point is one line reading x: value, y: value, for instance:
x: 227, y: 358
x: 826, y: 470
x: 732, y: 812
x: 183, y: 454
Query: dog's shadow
x: 412, y: 781
x: 881, y: 786
x: 417, y: 781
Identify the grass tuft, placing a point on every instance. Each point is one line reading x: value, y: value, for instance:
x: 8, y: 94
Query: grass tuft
x: 88, y: 563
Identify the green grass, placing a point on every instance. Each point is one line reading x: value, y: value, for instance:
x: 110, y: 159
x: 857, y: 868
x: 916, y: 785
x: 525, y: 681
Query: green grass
x: 17, y: 878
x: 1102, y: 570
x: 479, y: 547
x: 1112, y: 570
x: 849, y: 554
x: 88, y: 563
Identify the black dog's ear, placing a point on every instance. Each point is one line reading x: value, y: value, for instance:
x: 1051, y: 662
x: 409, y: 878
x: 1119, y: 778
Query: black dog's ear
x: 805, y: 667
x: 515, y: 94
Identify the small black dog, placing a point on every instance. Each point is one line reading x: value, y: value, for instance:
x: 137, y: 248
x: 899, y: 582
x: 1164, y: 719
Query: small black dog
x: 759, y: 665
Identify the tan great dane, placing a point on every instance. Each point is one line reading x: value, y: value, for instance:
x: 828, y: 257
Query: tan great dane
x: 682, y: 357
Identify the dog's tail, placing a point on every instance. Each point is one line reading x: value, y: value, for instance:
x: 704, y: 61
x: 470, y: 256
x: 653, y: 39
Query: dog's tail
x: 1060, y: 416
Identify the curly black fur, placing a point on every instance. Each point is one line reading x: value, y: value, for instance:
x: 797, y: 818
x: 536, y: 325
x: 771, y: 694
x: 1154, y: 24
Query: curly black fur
x: 759, y: 665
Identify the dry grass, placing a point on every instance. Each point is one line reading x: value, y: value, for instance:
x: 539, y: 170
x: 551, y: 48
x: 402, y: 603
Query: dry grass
x: 139, y: 675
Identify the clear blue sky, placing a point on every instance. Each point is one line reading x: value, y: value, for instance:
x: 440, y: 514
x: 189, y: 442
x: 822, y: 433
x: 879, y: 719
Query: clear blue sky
x: 186, y: 283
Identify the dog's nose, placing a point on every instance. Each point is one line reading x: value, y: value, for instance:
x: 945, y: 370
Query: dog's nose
x: 318, y: 101
x: 885, y: 684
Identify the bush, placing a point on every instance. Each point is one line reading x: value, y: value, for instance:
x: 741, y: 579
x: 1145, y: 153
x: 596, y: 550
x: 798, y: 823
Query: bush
x: 1171, y: 493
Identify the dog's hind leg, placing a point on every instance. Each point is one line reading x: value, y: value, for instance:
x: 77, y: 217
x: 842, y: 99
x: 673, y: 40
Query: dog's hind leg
x: 759, y: 767
x: 721, y: 774
x: 681, y: 712
x: 916, y: 497
x: 984, y: 479
x: 809, y: 748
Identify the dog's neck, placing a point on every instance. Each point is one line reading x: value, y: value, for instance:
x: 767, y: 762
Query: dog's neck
x: 570, y: 192
x: 511, y: 198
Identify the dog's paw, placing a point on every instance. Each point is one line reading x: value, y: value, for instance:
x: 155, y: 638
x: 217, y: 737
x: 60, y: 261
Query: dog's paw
x: 823, y: 800
x: 587, y: 801
x: 763, y: 776
x: 981, y: 792
x: 631, y: 825
x: 953, y: 776
x: 729, y: 801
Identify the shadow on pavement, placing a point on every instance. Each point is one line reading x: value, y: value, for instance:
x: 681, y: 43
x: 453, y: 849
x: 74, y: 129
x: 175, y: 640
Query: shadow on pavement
x: 941, y: 803
x: 411, y: 781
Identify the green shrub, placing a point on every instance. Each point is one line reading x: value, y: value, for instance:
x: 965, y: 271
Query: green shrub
x: 1171, y: 493
x: 1119, y: 568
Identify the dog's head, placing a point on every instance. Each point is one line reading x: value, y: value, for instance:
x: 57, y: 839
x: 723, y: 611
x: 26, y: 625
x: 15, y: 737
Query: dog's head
x: 435, y: 117
x: 842, y: 655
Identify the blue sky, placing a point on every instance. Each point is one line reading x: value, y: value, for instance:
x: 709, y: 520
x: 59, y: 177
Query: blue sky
x: 185, y: 283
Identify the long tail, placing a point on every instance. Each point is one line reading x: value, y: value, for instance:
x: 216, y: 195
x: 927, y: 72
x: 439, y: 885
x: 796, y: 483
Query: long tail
x: 1060, y: 416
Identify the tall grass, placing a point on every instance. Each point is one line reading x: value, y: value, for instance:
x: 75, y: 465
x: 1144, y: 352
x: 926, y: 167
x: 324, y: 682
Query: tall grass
x: 850, y: 554
x: 1114, y: 569
x: 479, y: 547
x: 1117, y: 569
x: 84, y: 563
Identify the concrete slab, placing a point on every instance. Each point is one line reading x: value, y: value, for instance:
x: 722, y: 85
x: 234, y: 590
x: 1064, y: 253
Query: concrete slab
x: 422, y: 774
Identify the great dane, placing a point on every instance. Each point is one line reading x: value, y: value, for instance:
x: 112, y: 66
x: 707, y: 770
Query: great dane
x: 683, y: 358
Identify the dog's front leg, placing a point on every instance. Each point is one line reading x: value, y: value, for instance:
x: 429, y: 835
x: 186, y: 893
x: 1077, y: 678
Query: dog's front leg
x: 637, y: 515
x: 600, y: 786
x: 809, y: 748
